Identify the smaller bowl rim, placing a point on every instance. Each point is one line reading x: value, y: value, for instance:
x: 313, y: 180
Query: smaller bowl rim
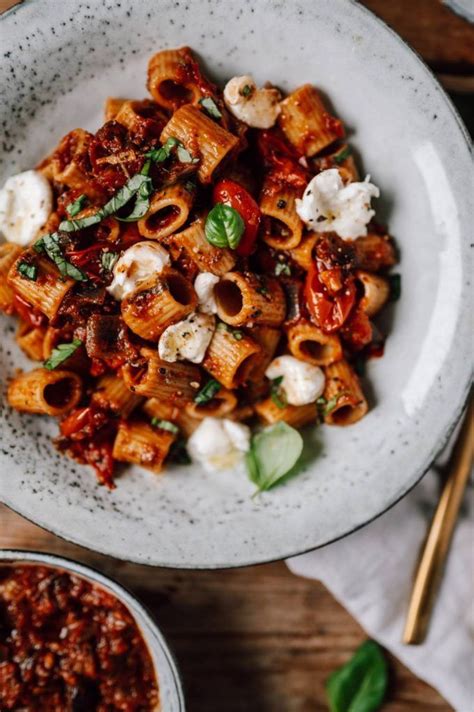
x: 152, y: 634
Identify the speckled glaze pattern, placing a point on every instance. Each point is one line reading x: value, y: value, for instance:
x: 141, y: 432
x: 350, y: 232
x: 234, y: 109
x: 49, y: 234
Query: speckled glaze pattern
x: 59, y: 62
x: 171, y: 693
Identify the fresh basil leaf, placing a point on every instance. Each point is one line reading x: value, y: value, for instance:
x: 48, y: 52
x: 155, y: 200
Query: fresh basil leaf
x: 360, y: 685
x: 325, y: 407
x: 208, y: 392
x: 77, y: 205
x: 273, y: 453
x: 165, y: 425
x: 395, y: 285
x: 27, y: 270
x: 277, y: 393
x: 61, y: 353
x: 211, y: 107
x: 142, y: 202
x: 342, y: 155
x: 238, y: 335
x: 108, y: 260
x: 224, y: 226
x: 282, y: 268
x: 158, y: 155
x: 51, y: 245
x: 119, y: 200
x: 184, y: 156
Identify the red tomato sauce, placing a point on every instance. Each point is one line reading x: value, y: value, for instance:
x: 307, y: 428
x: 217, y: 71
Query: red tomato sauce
x: 67, y: 645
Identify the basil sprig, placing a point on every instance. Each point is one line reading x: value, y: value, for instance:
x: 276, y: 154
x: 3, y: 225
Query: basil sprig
x: 50, y: 244
x: 77, y: 205
x: 211, y: 107
x: 273, y: 453
x: 360, y: 685
x: 27, y: 270
x: 165, y: 425
x: 224, y: 226
x: 61, y: 353
x: 208, y: 392
x: 139, y: 185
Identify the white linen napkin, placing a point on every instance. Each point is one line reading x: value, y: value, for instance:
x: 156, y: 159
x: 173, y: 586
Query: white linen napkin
x: 371, y: 574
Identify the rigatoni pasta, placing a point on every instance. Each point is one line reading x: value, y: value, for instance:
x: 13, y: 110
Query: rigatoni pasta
x: 205, y: 261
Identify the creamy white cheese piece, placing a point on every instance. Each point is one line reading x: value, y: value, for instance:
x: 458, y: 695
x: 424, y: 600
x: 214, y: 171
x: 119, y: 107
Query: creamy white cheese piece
x: 255, y: 107
x: 187, y: 340
x: 204, y: 287
x: 135, y: 265
x: 26, y: 200
x: 329, y: 205
x: 218, y: 444
x: 302, y: 382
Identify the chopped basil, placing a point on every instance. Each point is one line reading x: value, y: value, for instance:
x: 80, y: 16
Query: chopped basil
x: 184, y: 156
x: 224, y: 226
x: 273, y: 453
x: 359, y: 685
x: 282, y: 268
x: 208, y: 392
x: 395, y: 284
x: 342, y: 155
x: 190, y: 186
x: 263, y: 290
x: 277, y: 393
x: 238, y: 335
x: 325, y: 407
x: 77, y: 205
x: 165, y: 425
x: 139, y: 185
x: 158, y: 155
x: 27, y: 270
x: 51, y: 245
x: 178, y: 453
x: 211, y: 107
x: 108, y: 260
x: 246, y: 90
x: 61, y: 353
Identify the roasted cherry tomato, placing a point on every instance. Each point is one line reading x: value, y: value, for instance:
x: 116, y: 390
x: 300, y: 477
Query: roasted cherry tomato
x: 282, y: 160
x: 232, y: 193
x: 25, y: 311
x: 328, y: 310
x: 357, y: 331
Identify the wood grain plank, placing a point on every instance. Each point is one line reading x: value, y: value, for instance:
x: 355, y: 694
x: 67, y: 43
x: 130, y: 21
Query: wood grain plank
x: 256, y: 640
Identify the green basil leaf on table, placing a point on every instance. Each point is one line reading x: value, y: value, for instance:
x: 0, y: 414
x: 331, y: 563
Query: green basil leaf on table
x: 27, y: 270
x: 273, y: 453
x: 61, y: 353
x: 360, y: 685
x: 224, y: 226
x: 50, y: 244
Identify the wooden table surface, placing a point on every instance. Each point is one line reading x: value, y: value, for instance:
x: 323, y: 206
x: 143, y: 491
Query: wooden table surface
x: 260, y: 639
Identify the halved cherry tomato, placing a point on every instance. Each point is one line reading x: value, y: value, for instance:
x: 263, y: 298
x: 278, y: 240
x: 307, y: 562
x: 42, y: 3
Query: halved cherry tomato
x: 25, y: 311
x: 233, y: 194
x: 357, y: 331
x: 328, y: 310
x: 282, y: 160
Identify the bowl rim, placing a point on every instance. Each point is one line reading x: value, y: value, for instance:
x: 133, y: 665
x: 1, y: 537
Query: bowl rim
x: 152, y: 635
x: 457, y: 408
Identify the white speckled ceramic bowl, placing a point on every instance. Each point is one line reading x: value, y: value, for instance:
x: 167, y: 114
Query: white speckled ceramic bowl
x: 171, y: 694
x: 59, y: 62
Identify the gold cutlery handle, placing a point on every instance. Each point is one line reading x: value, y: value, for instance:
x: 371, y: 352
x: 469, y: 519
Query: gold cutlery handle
x: 433, y: 557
